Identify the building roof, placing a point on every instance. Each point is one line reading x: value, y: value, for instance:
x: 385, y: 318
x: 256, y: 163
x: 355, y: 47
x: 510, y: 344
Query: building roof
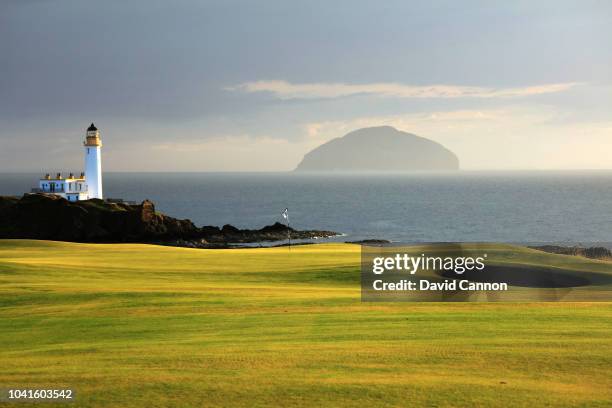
x: 92, y: 127
x: 67, y: 180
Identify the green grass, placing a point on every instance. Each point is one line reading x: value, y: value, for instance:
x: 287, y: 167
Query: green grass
x: 150, y: 326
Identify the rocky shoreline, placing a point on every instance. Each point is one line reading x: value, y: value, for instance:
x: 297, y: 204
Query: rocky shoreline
x: 587, y: 252
x: 50, y: 217
x: 229, y: 236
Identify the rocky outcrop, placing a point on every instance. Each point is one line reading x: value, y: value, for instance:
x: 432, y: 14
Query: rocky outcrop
x: 275, y: 232
x: 591, y: 252
x: 370, y: 242
x: 46, y: 216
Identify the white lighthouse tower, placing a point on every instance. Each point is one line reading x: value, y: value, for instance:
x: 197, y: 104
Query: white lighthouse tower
x: 93, y: 162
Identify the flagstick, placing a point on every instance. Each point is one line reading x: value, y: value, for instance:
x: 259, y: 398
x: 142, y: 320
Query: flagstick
x: 289, y: 232
x: 285, y: 215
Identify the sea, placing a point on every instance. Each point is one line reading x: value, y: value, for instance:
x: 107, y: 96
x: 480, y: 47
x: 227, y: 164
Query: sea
x: 564, y: 207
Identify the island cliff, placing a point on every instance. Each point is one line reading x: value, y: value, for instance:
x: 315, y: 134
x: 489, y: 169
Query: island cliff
x: 380, y: 148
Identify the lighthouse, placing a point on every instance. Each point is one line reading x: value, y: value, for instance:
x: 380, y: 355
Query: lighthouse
x: 88, y: 184
x: 93, y: 162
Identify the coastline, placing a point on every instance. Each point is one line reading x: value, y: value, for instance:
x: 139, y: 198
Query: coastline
x: 50, y: 217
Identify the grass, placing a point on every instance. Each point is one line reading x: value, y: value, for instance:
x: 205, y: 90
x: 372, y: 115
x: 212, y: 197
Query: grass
x: 150, y: 326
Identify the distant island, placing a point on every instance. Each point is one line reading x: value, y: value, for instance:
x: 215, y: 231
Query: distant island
x: 381, y: 148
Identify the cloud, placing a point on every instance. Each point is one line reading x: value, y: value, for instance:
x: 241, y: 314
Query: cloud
x: 242, y: 152
x: 287, y: 90
x: 241, y: 142
x: 424, y: 124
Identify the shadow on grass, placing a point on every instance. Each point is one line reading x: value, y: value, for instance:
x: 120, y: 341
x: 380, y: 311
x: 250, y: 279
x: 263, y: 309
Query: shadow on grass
x: 532, y: 276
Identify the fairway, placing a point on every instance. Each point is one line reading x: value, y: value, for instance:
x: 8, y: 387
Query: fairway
x: 151, y: 326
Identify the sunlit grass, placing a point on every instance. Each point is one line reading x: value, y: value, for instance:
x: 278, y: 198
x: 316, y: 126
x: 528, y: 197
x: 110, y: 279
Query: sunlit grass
x: 142, y: 325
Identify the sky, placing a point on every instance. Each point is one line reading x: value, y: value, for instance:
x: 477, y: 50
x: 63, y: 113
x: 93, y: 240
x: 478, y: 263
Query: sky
x: 254, y: 85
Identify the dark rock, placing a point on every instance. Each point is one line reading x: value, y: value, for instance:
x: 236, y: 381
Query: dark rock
x: 229, y: 229
x: 276, y: 227
x: 370, y: 242
x: 208, y: 230
x: 274, y: 232
x: 47, y: 216
x: 591, y: 252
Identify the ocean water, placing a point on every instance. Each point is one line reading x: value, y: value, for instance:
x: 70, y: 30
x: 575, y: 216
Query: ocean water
x: 562, y: 207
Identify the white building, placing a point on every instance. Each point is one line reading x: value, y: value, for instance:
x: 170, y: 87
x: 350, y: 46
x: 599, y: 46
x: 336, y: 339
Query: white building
x: 89, y: 184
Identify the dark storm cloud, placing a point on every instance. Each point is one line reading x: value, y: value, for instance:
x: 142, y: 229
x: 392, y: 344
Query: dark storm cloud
x: 155, y: 58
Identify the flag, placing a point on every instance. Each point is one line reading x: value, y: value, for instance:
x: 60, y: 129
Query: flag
x: 285, y: 214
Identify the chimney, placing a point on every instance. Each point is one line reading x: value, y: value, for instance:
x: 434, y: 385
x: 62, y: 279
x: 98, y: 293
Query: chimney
x: 59, y: 176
